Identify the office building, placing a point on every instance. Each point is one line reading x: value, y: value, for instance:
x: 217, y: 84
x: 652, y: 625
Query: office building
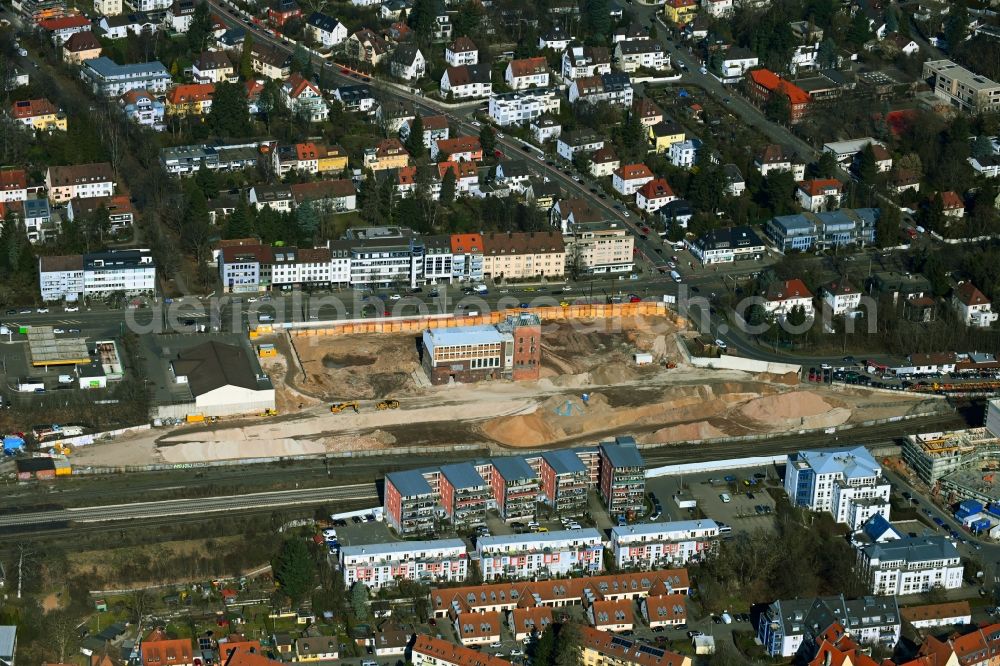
x: 509, y: 350
x: 961, y: 88
x: 847, y: 483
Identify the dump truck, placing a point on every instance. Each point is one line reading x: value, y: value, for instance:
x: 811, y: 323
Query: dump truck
x: 338, y: 407
x: 387, y: 404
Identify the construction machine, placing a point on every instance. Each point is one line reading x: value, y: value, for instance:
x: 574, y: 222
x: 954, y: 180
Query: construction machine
x: 338, y: 407
x: 387, y: 404
x: 269, y: 412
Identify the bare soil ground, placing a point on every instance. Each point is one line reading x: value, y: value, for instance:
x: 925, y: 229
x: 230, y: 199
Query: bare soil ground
x: 655, y: 404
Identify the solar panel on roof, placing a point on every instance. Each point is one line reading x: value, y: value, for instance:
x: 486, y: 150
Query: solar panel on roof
x: 649, y: 649
x: 618, y: 641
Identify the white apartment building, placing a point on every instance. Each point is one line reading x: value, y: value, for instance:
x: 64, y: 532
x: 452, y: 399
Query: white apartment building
x: 633, y: 54
x: 79, y: 181
x: 782, y: 297
x: 98, y: 274
x: 847, y: 483
x: 61, y: 277
x: 571, y: 143
x: 517, y: 108
x: 627, y: 179
x: 600, y: 247
x: 655, y: 545
x: 841, y: 297
x: 525, y: 556
x: 684, y: 153
x: 380, y: 565
x: 972, y: 306
x: 736, y: 63
x: 911, y: 565
x: 579, y: 61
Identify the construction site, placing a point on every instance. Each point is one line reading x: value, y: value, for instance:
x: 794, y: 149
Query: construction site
x: 592, y: 385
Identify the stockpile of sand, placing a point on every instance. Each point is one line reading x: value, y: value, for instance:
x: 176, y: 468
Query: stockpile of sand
x: 358, y: 367
x: 804, y: 409
x: 230, y: 449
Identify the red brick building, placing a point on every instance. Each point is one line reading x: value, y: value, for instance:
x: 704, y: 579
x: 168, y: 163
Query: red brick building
x: 762, y: 84
x: 510, y: 350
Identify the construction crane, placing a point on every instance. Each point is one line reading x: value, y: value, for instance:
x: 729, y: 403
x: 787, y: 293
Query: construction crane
x: 338, y: 407
x: 387, y: 404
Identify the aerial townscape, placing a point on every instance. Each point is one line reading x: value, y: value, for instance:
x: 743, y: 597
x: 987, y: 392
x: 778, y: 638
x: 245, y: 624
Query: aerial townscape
x: 500, y: 333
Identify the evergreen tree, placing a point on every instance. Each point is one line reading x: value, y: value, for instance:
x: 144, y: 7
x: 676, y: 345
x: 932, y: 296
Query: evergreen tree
x: 859, y: 31
x: 887, y: 226
x: 294, y: 569
x: 359, y: 601
x: 195, y: 231
x: 956, y: 27
x: 246, y: 58
x: 892, y: 20
x: 238, y: 223
x: 206, y: 181
x: 368, y: 198
x: 488, y: 140
x: 982, y: 147
x: 421, y: 18
x: 301, y: 62
x: 827, y: 55
x: 598, y: 20
x: 448, y: 187
x: 633, y: 138
x: 582, y: 161
x: 415, y: 139
x: 778, y: 108
x: 200, y: 28
x: 867, y: 165
x: 569, y: 650
x: 826, y: 166
x: 307, y: 220
x: 230, y: 114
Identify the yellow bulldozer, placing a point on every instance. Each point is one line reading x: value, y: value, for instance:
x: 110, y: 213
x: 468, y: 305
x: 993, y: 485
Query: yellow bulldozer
x: 338, y: 407
x: 387, y: 404
x: 269, y: 412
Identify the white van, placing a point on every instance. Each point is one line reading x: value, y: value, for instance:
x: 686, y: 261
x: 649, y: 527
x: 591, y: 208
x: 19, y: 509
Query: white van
x: 675, y: 276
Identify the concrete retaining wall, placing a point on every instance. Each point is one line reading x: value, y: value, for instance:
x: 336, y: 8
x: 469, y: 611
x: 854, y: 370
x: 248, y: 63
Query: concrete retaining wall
x: 714, y: 465
x: 746, y: 364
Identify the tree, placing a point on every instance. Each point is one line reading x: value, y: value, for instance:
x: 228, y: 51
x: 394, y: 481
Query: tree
x: 301, y: 62
x: 569, y: 651
x: 246, y: 58
x: 294, y: 569
x: 598, y: 17
x: 582, y: 161
x: 415, y: 139
x: 487, y: 140
x: 826, y: 166
x: 200, y: 28
x: 633, y: 138
x: 206, y: 181
x: 827, y: 55
x: 307, y: 219
x: 421, y: 18
x: 956, y: 27
x: 778, y: 108
x: 860, y: 30
x: 932, y: 215
x: 230, y: 114
x: 448, y: 187
x: 867, y: 166
x: 60, y: 628
x: 982, y: 147
x: 238, y: 223
x: 887, y: 226
x: 359, y: 601
x: 892, y: 20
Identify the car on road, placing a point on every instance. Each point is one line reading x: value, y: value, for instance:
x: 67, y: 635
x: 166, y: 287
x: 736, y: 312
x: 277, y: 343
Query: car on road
x: 825, y: 366
x: 726, y: 100
x: 602, y: 195
x: 476, y: 123
x: 525, y: 305
x: 356, y: 520
x: 24, y: 311
x: 496, y: 644
x: 726, y: 499
x: 74, y: 330
x: 344, y: 70
x: 625, y: 213
x: 57, y: 331
x: 693, y: 634
x: 42, y: 310
x: 643, y: 236
x: 515, y: 652
x: 395, y: 297
x: 721, y: 344
x: 578, y: 179
x: 329, y: 534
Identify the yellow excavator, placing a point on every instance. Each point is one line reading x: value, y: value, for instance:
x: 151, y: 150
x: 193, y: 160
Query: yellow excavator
x: 387, y: 404
x: 338, y: 407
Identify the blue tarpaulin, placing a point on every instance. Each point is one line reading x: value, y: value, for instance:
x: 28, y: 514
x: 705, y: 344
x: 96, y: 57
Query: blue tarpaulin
x: 12, y: 443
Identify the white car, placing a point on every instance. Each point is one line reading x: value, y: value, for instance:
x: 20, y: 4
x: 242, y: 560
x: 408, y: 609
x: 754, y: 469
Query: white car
x: 625, y: 213
x: 42, y: 310
x: 251, y: 300
x: 58, y: 330
x: 721, y: 344
x: 515, y: 652
x: 825, y: 366
x: 566, y: 287
x: 394, y: 297
x: 476, y: 123
x: 71, y: 308
x: 329, y: 534
x: 496, y: 645
x: 726, y: 499
x: 499, y: 135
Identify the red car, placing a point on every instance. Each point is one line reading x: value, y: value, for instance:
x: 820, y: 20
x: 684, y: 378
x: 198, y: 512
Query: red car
x: 634, y: 299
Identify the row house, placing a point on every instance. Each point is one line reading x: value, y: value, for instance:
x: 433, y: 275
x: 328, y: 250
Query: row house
x: 435, y: 128
x: 293, y: 266
x: 634, y: 54
x: 186, y: 160
x: 529, y: 623
x: 380, y: 565
x: 585, y: 61
x: 524, y: 255
x: 528, y: 556
x: 475, y: 629
x: 571, y: 143
x: 611, y: 615
x: 557, y: 592
x: 467, y: 257
x: 650, y: 546
x: 463, y: 51
x: 80, y: 180
x: 325, y: 30
x: 664, y: 610
x: 465, y: 81
x: 517, y: 108
x: 527, y: 73
x: 430, y: 651
x: 613, y: 88
x: 13, y: 185
x: 602, y: 648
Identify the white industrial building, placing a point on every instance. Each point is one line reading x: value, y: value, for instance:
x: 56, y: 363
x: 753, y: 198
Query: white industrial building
x: 221, y: 380
x: 650, y: 546
x: 845, y: 482
x: 911, y: 565
x: 378, y: 565
x: 552, y: 553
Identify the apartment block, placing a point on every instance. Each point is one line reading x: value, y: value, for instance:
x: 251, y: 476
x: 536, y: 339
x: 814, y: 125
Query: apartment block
x: 564, y: 482
x: 912, y: 565
x: 97, y: 274
x: 789, y: 623
x: 430, y: 651
x: 602, y: 648
x: 623, y: 476
x: 380, y: 565
x: 515, y: 487
x: 410, y: 501
x: 79, y: 181
x: 600, y: 247
x: 528, y: 556
x: 847, y: 483
x: 961, y: 88
x: 652, y: 545
x: 465, y: 494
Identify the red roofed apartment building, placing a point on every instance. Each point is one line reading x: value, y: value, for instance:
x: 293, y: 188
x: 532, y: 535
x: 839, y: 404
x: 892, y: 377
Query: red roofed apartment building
x: 763, y: 83
x: 158, y: 650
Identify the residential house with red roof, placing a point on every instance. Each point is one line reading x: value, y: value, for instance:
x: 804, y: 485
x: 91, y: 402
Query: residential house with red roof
x: 40, y: 115
x: 680, y: 11
x: 529, y: 622
x: 654, y: 195
x: 784, y: 295
x: 611, y: 615
x: 158, y: 650
x: 841, y: 297
x: 527, y: 73
x: 819, y: 194
x: 466, y: 175
x: 628, y: 178
x: 664, y: 610
x: 301, y: 157
x: 430, y: 651
x: 477, y: 628
x: 972, y: 306
x: 283, y: 12
x: 13, y: 185
x: 61, y: 29
x: 763, y: 84
x: 467, y: 257
x: 953, y: 204
x: 190, y: 99
x: 435, y: 129
x: 459, y: 149
x: 304, y: 99
x: 366, y: 46
x: 603, y: 648
x: 142, y: 107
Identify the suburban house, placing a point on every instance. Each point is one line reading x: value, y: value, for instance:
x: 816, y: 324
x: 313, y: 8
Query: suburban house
x: 664, y: 134
x: 556, y: 39
x: 680, y: 12
x: 571, y: 143
x: 516, y: 108
x: 613, y: 88
x: 604, y: 162
x: 458, y: 149
x: 727, y: 245
x: 408, y: 62
x: 578, y: 61
x: 213, y: 67
x: 654, y: 195
x: 325, y: 30
x: 80, y: 180
x: 81, y: 46
x: 544, y: 129
x: 634, y: 54
x: 647, y: 111
x: 435, y: 129
x: 270, y: 63
x: 40, y: 115
x: 303, y: 99
x: 841, y: 297
x: 683, y: 154
x: 190, y: 99
x: 972, y: 306
x: 784, y: 295
x: 143, y: 108
x: 463, y: 51
x: 627, y: 179
x: 466, y: 81
x: 736, y: 62
x: 819, y: 194
x: 527, y: 73
x: 775, y: 157
x: 388, y: 154
x: 62, y: 28
x: 366, y: 46
x: 952, y: 204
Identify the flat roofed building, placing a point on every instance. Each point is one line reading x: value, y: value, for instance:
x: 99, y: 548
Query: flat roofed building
x: 623, y: 476
x: 465, y: 494
x: 515, y: 487
x: 410, y: 502
x: 648, y: 546
x: 526, y: 556
x: 380, y: 565
x: 223, y: 379
x: 564, y: 481
x: 961, y: 88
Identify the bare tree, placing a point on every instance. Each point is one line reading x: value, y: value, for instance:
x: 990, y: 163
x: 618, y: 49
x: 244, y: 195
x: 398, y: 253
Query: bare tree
x: 60, y: 627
